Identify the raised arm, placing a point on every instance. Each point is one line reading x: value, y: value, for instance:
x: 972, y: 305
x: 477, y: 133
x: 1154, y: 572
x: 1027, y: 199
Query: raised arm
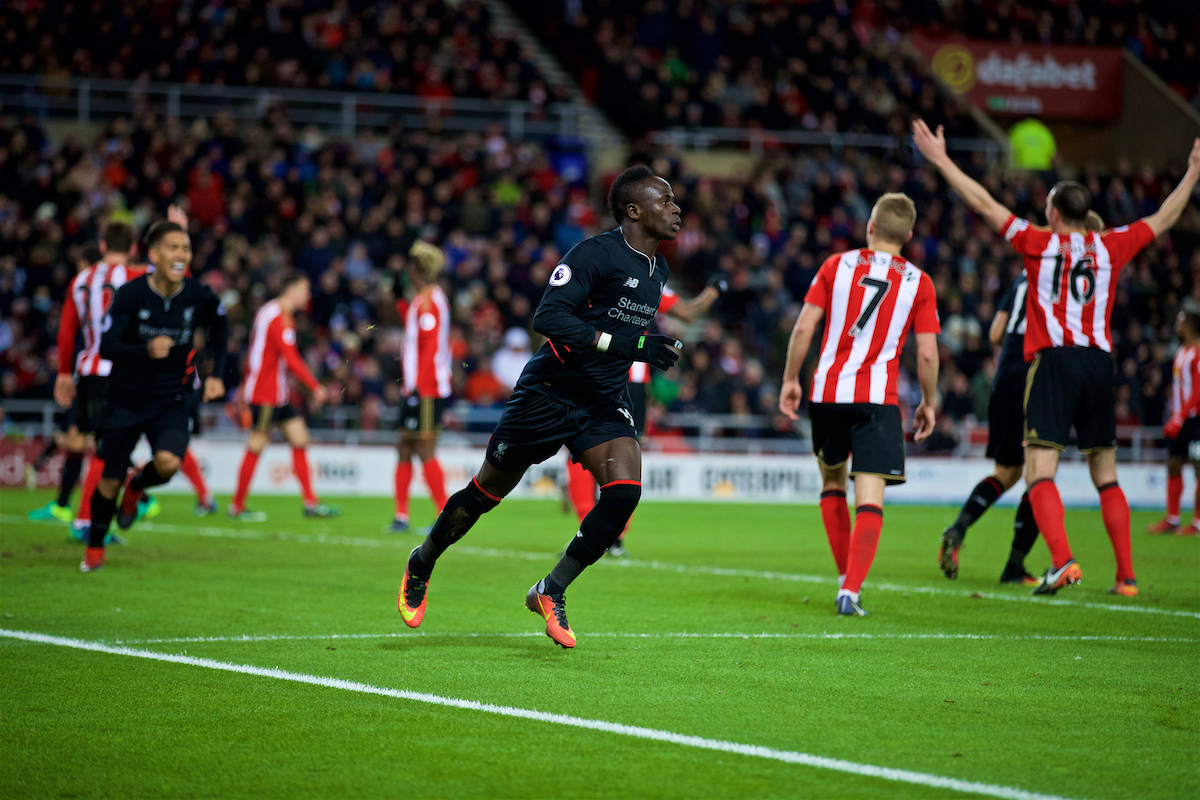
x: 791, y: 392
x: 977, y: 198
x: 1168, y: 213
x: 697, y: 307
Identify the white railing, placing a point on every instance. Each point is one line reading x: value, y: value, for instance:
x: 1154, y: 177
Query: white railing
x: 760, y: 141
x: 92, y: 100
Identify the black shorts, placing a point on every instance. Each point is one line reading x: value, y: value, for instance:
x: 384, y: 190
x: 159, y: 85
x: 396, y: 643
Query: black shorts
x: 1071, y: 386
x: 1006, y: 428
x: 166, y: 424
x: 91, y: 399
x: 873, y: 433
x: 637, y: 402
x: 266, y: 416
x: 421, y: 416
x: 1187, y: 444
x: 534, y: 427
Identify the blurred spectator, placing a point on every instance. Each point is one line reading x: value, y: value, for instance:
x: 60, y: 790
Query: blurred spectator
x: 508, y: 362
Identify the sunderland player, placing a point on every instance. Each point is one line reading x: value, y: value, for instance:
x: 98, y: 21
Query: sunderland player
x: 869, y: 299
x: 1068, y: 341
x: 153, y: 384
x: 426, y: 362
x: 1006, y: 438
x: 594, y: 313
x: 581, y: 486
x: 69, y: 437
x: 1182, y: 430
x: 272, y: 356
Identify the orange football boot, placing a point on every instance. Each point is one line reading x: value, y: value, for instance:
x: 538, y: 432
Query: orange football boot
x: 1126, y: 588
x: 1054, y: 579
x: 1164, y: 525
x: 552, y: 608
x: 411, y: 598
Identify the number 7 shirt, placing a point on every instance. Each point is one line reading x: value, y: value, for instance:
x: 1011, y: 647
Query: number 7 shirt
x: 871, y: 299
x: 1071, y: 282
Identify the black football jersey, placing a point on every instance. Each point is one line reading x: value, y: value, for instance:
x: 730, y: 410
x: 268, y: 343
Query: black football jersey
x: 604, y: 285
x: 139, y: 313
x: 1011, y: 369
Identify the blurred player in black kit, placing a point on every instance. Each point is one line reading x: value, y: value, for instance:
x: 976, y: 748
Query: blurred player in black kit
x: 574, y: 391
x: 154, y: 385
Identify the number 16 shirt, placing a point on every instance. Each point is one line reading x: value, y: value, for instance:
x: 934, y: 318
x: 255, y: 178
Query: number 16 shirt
x: 1072, y: 283
x: 871, y: 299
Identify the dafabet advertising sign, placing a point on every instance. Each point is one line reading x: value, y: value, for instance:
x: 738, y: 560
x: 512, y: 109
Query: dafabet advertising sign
x: 1056, y: 82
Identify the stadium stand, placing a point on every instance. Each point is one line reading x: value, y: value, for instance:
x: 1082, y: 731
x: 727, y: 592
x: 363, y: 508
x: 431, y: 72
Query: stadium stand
x: 267, y: 196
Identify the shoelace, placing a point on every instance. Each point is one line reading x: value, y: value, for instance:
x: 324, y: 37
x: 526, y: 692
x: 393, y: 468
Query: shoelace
x: 414, y: 591
x: 560, y: 609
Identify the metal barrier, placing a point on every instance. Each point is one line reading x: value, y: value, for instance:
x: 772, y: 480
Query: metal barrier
x: 92, y: 99
x: 471, y: 425
x: 757, y: 141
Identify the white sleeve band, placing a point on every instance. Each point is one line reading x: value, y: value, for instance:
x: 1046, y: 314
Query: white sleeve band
x: 604, y: 341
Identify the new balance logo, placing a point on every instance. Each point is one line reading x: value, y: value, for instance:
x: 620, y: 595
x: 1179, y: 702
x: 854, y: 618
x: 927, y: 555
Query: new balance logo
x: 632, y: 283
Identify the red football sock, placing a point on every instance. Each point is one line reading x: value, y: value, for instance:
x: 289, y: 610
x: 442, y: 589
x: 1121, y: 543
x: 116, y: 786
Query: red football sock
x: 1196, y: 504
x: 245, y: 474
x: 90, y: 479
x: 1174, y: 494
x: 300, y: 468
x: 191, y: 470
x: 435, y: 479
x: 836, y: 516
x: 868, y: 522
x: 581, y: 488
x: 404, y: 472
x: 1114, y: 509
x: 1050, y: 517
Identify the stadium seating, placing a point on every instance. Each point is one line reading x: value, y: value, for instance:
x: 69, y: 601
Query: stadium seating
x: 346, y: 211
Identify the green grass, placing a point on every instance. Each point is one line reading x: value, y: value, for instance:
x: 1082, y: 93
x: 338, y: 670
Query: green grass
x: 1064, y: 716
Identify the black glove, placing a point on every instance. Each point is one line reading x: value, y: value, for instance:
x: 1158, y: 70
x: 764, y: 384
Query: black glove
x: 652, y: 348
x: 719, y: 281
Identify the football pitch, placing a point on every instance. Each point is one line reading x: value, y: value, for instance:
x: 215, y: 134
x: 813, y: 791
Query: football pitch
x: 219, y: 659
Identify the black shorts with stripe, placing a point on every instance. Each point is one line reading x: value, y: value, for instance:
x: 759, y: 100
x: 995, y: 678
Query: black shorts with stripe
x: 1071, y: 386
x: 1187, y: 444
x: 422, y: 416
x: 266, y: 416
x: 534, y: 426
x: 873, y: 434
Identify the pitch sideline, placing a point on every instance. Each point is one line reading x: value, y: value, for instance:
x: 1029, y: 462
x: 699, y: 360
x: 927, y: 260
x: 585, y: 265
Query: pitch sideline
x: 755, y: 751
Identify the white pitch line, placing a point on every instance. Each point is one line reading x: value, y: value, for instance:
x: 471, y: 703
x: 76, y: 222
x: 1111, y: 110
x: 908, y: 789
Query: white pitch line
x: 754, y: 751
x: 626, y: 635
x: 489, y: 552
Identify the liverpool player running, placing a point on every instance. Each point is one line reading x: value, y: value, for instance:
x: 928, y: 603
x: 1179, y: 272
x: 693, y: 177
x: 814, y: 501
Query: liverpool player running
x: 153, y: 383
x: 581, y: 486
x: 272, y: 356
x: 1068, y: 339
x: 426, y: 361
x: 1006, y: 438
x: 1182, y: 430
x: 599, y: 301
x: 869, y: 300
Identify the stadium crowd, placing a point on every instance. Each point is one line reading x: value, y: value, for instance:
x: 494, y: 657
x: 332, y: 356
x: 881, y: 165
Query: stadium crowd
x: 827, y: 66
x: 431, y: 48
x: 268, y: 197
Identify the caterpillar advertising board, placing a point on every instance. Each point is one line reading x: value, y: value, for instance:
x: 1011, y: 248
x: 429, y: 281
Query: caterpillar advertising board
x: 1059, y: 82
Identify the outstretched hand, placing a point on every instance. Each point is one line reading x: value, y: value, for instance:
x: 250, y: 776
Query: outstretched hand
x: 933, y: 147
x: 177, y: 215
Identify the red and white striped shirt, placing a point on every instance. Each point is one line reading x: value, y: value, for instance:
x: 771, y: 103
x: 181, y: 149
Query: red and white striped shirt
x: 1185, y: 373
x: 871, y: 300
x: 639, y: 371
x: 272, y: 355
x: 89, y: 299
x: 1072, y: 282
x: 426, y: 355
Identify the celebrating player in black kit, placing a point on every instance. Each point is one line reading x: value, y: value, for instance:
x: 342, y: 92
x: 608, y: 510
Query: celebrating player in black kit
x: 600, y: 300
x: 154, y: 384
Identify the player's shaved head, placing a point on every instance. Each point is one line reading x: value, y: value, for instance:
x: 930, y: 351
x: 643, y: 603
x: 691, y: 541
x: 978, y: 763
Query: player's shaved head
x: 1072, y: 200
x: 626, y: 188
x: 894, y: 215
